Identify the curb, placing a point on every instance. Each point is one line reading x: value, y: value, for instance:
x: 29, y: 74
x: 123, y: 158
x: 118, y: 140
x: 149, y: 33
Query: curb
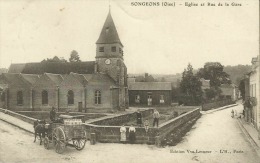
x: 17, y: 126
x: 248, y: 136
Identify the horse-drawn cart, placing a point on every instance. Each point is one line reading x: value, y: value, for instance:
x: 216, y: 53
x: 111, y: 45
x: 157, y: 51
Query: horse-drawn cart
x: 69, y: 132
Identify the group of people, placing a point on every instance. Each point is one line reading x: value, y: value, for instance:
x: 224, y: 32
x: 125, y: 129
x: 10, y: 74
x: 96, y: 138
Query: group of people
x: 139, y: 122
x: 156, y: 116
x: 131, y: 135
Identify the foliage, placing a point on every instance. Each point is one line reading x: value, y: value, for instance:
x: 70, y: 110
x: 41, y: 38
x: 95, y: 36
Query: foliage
x: 250, y: 102
x: 242, y: 88
x: 237, y: 72
x: 190, y: 87
x: 213, y: 71
x: 74, y: 56
x: 54, y: 59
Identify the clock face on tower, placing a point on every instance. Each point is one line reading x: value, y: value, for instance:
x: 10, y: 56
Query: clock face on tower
x: 107, y: 61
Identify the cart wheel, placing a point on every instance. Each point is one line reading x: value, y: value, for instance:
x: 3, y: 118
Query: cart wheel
x: 46, y: 143
x: 60, y: 147
x: 79, y: 144
x: 59, y: 140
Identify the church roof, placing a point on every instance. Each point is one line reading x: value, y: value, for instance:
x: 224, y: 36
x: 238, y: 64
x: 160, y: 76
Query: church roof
x: 99, y: 78
x: 53, y: 67
x: 56, y: 78
x: 30, y: 78
x: 109, y: 33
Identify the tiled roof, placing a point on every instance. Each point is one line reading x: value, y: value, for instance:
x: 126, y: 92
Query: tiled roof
x: 99, y: 78
x: 56, y: 78
x: 30, y: 78
x: 16, y: 68
x: 81, y: 78
x: 53, y: 67
x: 150, y: 86
x: 108, y: 33
x: 18, y: 78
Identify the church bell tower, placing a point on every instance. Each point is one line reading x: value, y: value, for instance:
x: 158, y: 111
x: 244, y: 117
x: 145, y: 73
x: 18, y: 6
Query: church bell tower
x: 109, y: 58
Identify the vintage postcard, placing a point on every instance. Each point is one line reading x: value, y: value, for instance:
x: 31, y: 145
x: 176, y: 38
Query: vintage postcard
x: 122, y: 81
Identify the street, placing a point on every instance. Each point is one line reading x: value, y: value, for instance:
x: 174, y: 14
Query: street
x: 216, y: 137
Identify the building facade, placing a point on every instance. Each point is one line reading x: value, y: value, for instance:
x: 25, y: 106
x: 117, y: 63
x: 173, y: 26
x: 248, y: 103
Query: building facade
x: 150, y: 94
x: 252, y: 95
x: 97, y: 86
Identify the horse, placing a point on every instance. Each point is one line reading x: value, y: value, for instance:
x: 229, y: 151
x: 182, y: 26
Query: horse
x: 39, y: 128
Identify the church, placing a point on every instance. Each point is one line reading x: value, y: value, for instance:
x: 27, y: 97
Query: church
x: 93, y: 86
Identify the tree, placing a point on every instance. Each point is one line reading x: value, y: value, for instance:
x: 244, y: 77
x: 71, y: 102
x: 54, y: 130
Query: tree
x: 190, y: 86
x: 74, y: 56
x: 213, y: 71
x: 54, y: 59
x: 242, y: 88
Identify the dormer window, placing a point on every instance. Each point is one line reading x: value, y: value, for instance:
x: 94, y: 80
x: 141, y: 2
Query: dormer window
x: 113, y: 49
x: 101, y: 49
x: 107, y: 29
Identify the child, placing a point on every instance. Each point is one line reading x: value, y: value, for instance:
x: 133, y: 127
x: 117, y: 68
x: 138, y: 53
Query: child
x: 146, y: 125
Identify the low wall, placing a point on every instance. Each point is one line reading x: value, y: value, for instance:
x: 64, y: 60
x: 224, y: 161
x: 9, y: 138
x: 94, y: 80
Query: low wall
x: 118, y: 120
x: 45, y: 115
x: 111, y: 134
x: 19, y: 116
x: 216, y: 104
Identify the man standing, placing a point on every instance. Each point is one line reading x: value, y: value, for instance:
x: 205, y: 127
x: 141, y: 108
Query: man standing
x: 52, y: 114
x: 156, y: 117
x: 139, y: 118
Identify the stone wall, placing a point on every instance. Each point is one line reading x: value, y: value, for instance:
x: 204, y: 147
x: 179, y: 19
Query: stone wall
x: 217, y: 104
x: 19, y: 116
x: 41, y: 115
x: 118, y: 120
x: 106, y: 133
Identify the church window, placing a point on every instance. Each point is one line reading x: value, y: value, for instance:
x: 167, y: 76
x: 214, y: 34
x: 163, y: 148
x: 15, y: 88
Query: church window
x: 70, y: 97
x: 19, y: 98
x: 120, y: 50
x: 113, y: 49
x: 44, y: 97
x: 97, y: 97
x: 101, y: 49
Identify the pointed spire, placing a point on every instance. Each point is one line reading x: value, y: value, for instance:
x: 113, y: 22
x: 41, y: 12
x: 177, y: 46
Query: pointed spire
x: 109, y: 33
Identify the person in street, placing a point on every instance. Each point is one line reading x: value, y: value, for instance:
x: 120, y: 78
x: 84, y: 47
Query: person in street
x: 139, y: 118
x: 156, y: 117
x: 123, y: 134
x: 53, y: 114
x: 146, y: 125
x: 232, y: 113
x: 132, y: 134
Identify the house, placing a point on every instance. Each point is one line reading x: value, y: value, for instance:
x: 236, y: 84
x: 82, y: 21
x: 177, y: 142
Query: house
x: 252, y: 101
x: 150, y: 93
x: 229, y: 91
x: 99, y: 85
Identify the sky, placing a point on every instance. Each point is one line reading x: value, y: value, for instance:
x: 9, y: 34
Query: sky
x: 156, y: 39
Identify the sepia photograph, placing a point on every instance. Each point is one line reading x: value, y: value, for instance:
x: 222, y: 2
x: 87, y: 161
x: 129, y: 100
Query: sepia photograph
x: 124, y: 81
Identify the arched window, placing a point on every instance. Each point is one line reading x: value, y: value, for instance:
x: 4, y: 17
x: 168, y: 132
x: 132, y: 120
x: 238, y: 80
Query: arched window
x: 70, y: 97
x: 44, y: 97
x: 97, y: 97
x: 19, y: 98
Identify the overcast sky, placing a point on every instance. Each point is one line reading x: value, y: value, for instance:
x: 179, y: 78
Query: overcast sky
x: 156, y: 39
